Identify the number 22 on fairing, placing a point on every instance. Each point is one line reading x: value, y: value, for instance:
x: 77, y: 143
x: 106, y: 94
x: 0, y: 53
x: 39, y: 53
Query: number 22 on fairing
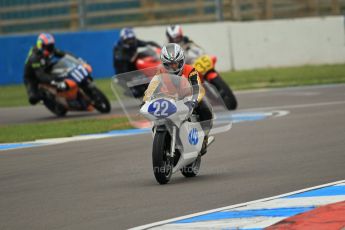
x: 162, y: 108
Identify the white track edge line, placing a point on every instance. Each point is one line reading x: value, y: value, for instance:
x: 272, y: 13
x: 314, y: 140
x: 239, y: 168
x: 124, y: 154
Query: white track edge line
x: 40, y: 143
x: 233, y: 206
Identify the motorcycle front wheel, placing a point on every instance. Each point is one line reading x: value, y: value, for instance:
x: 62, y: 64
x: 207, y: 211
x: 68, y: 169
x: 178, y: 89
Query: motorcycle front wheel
x: 225, y: 92
x: 161, y: 162
x: 100, y: 101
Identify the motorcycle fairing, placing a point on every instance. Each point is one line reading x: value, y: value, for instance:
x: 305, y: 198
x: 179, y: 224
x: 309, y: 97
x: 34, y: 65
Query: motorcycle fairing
x: 123, y: 83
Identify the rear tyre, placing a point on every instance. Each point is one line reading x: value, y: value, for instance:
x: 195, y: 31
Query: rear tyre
x: 225, y: 92
x: 52, y: 106
x: 192, y: 169
x: 100, y: 101
x: 161, y: 162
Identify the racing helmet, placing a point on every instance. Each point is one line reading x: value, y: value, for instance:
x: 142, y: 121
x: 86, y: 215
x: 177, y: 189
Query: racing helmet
x: 128, y: 38
x: 174, y: 33
x: 46, y: 44
x: 173, y: 58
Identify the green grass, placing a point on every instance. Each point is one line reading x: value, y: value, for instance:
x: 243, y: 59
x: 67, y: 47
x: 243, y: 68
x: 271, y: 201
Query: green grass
x: 104, y: 85
x: 15, y: 95
x: 30, y: 132
x: 284, y: 77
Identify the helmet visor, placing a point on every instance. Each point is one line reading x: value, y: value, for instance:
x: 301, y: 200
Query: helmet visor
x: 49, y: 48
x: 173, y: 67
x: 130, y: 42
x: 176, y: 39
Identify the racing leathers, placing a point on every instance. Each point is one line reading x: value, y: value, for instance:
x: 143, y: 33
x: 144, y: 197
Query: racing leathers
x: 124, y: 57
x: 201, y: 107
x: 37, y: 70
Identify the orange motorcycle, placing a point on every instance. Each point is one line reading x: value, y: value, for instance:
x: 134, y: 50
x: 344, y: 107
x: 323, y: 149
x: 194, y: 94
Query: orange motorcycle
x: 72, y: 89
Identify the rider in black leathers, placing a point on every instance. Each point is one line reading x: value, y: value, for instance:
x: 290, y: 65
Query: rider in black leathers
x: 124, y: 51
x: 38, y: 66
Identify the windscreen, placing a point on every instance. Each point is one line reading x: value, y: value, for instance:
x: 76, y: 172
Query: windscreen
x: 64, y: 64
x: 164, y: 85
x: 132, y: 89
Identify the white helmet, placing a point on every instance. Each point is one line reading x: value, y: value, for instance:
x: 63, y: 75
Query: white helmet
x: 174, y: 33
x: 173, y: 58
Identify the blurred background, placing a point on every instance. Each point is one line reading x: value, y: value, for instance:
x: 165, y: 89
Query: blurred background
x: 288, y: 139
x: 243, y: 34
x: 30, y: 16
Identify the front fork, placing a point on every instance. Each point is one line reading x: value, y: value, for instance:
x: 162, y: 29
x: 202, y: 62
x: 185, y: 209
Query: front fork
x: 173, y: 142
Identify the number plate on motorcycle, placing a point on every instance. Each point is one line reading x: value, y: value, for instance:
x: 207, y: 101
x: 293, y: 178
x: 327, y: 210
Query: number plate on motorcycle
x: 203, y: 64
x: 162, y: 108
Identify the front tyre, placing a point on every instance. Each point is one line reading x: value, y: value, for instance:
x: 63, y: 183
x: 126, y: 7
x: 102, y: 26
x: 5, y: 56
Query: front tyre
x: 161, y: 161
x: 225, y: 92
x: 192, y: 169
x: 100, y: 101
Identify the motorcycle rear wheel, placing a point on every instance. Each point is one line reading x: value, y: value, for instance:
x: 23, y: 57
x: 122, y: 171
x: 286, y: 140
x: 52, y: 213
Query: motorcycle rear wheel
x: 52, y: 106
x: 161, y: 162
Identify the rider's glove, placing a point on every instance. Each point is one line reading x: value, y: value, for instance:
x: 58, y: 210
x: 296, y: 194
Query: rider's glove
x: 194, y: 104
x: 60, y: 86
x: 191, y: 104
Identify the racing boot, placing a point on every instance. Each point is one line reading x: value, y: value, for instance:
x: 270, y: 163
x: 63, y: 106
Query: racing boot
x: 207, y: 141
x: 35, y: 96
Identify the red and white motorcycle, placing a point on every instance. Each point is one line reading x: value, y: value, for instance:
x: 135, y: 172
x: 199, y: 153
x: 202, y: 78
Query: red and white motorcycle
x: 205, y: 65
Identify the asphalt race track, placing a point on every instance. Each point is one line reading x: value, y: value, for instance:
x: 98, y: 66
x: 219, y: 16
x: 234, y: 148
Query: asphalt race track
x: 108, y: 183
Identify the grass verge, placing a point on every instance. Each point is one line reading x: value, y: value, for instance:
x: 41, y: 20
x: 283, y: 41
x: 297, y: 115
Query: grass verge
x: 30, y: 132
x: 285, y: 77
x: 11, y: 96
x: 15, y: 95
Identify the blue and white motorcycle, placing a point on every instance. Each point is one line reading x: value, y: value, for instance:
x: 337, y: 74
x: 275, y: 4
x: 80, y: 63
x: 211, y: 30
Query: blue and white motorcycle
x: 178, y: 135
x: 177, y: 132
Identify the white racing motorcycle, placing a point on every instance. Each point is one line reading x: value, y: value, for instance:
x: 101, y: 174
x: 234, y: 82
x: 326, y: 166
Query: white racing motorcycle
x: 177, y: 132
